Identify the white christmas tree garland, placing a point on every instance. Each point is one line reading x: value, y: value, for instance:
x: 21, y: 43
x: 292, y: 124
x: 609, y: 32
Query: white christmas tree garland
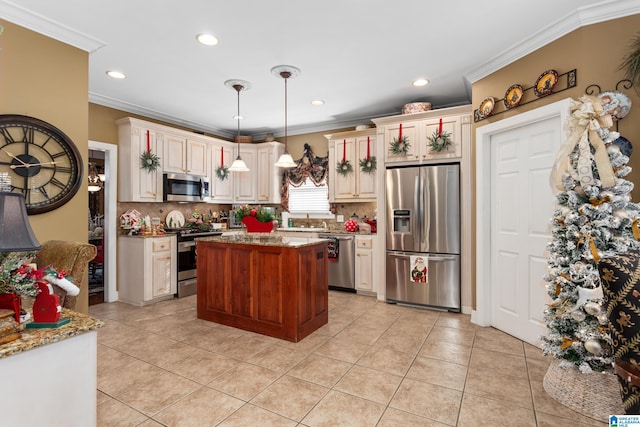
x: 595, y: 218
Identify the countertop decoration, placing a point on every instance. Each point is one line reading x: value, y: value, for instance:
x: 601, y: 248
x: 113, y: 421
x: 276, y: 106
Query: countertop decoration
x: 19, y: 277
x: 344, y: 166
x: 440, y: 140
x: 400, y: 145
x: 222, y: 172
x: 255, y: 218
x: 148, y: 160
x: 369, y: 163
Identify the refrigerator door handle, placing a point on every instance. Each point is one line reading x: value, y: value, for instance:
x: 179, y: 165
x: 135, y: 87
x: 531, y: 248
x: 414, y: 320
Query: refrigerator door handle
x: 441, y: 258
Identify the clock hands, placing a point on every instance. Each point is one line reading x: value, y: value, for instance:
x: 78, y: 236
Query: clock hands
x: 15, y: 157
x: 28, y: 165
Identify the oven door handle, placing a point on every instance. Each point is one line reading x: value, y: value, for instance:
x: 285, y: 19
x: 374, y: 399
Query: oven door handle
x: 186, y: 246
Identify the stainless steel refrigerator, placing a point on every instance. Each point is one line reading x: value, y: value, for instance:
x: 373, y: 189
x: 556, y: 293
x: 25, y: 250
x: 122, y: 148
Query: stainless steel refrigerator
x: 423, y: 236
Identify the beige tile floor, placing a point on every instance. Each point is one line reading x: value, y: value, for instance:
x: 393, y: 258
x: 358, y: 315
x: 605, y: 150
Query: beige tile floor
x: 373, y: 364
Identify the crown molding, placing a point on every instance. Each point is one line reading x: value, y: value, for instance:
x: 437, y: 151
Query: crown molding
x: 586, y: 15
x: 40, y: 24
x: 152, y: 114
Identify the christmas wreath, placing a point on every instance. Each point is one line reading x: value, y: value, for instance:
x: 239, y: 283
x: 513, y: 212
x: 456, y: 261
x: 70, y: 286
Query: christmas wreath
x: 439, y: 141
x: 344, y: 167
x: 400, y: 145
x: 222, y: 172
x: 368, y: 165
x: 148, y: 160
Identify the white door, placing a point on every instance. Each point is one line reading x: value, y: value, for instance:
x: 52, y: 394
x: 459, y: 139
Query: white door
x: 521, y: 206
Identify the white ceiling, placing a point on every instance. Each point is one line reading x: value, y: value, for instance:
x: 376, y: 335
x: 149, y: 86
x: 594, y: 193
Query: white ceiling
x: 359, y: 56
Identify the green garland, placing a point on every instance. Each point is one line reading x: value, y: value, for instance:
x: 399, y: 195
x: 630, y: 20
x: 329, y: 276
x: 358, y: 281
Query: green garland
x: 368, y: 165
x: 222, y: 173
x: 344, y: 168
x: 439, y: 142
x: 149, y: 161
x: 400, y: 146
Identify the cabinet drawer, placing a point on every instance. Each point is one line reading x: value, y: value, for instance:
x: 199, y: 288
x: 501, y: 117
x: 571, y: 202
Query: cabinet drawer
x: 364, y: 242
x: 161, y: 245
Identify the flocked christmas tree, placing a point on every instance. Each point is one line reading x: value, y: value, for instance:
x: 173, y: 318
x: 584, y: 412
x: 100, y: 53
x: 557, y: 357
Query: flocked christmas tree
x: 595, y: 218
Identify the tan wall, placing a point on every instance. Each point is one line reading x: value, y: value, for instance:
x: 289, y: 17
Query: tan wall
x: 48, y: 80
x: 596, y: 51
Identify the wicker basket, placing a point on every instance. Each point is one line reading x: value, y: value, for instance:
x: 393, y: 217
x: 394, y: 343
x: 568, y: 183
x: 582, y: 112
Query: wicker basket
x: 596, y: 395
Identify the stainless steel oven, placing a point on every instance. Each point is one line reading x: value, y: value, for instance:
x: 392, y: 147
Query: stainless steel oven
x: 187, y: 260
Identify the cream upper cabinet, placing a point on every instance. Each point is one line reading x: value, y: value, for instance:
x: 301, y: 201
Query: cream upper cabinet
x: 245, y: 183
x: 451, y: 126
x: 184, y: 155
x: 419, y: 128
x: 221, y: 190
x: 269, y: 176
x: 408, y: 140
x: 357, y: 185
x: 136, y: 184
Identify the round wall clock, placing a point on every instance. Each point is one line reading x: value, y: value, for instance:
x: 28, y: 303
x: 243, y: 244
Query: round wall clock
x: 38, y: 160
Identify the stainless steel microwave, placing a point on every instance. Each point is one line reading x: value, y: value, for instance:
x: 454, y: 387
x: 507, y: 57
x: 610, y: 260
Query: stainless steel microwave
x: 185, y: 188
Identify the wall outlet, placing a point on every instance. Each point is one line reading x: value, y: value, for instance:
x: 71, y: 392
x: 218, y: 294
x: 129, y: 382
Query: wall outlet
x: 340, y: 218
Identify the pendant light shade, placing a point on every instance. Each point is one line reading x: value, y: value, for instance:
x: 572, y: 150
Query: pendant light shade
x: 238, y: 164
x: 286, y: 72
x: 94, y: 181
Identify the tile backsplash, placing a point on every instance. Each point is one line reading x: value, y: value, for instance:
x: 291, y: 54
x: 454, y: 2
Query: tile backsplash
x: 160, y: 210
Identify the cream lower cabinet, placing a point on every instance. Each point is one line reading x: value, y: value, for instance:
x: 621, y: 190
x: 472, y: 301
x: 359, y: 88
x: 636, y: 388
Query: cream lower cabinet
x: 364, y: 263
x: 136, y: 184
x: 147, y: 269
x: 358, y: 185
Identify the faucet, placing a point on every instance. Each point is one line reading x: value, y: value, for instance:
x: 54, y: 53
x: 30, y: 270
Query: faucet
x: 324, y: 224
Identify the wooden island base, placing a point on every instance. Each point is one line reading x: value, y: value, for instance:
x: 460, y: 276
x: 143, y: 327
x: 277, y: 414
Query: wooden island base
x: 273, y: 287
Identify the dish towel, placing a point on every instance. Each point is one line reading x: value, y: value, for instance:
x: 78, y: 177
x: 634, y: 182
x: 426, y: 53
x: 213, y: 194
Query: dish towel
x: 333, y: 249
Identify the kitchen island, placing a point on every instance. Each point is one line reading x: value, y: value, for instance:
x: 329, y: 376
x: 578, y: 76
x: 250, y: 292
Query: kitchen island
x: 272, y: 285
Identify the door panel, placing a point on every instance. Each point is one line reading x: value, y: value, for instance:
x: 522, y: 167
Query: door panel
x: 403, y: 231
x: 440, y: 208
x: 521, y: 205
x: 442, y: 288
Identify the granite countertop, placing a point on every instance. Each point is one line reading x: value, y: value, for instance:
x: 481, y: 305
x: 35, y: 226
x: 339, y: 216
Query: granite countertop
x: 264, y: 239
x: 33, y: 338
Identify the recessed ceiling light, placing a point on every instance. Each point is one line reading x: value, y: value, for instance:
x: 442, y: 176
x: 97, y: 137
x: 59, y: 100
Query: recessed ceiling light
x: 317, y: 102
x: 116, y: 74
x: 207, y: 39
x: 421, y: 82
x: 236, y: 117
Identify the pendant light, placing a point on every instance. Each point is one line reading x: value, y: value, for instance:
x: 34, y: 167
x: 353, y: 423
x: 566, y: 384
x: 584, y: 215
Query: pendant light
x: 286, y: 72
x: 94, y: 181
x: 238, y: 164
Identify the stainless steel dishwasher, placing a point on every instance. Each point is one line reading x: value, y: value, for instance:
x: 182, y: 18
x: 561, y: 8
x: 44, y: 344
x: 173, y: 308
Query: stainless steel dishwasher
x: 342, y: 256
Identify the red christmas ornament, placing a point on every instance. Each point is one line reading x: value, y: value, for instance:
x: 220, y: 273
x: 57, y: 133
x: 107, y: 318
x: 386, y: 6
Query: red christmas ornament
x: 351, y: 226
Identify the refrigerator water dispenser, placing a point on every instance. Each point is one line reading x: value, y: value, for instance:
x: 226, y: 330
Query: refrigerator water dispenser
x: 402, y: 221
